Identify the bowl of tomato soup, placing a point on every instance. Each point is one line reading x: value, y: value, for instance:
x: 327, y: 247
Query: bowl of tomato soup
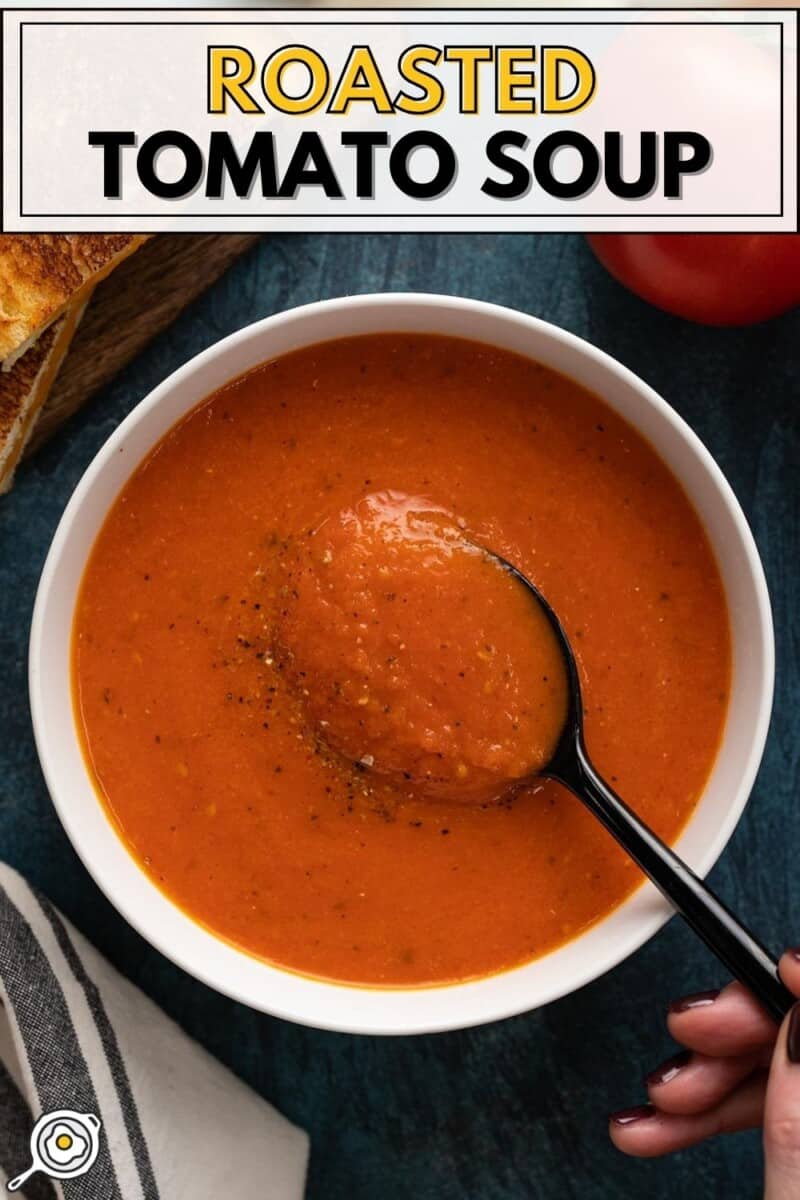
x: 291, y: 721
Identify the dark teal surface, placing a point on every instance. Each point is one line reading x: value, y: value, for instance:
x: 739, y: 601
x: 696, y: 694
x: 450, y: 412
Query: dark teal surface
x: 517, y: 1109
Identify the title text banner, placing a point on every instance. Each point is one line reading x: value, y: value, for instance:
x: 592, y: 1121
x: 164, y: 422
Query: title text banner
x: 482, y: 119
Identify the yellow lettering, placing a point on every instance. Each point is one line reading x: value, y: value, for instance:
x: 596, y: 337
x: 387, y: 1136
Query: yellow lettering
x: 510, y: 78
x: 432, y: 90
x: 272, y: 79
x: 230, y: 69
x: 554, y: 99
x: 360, y: 80
x: 468, y: 59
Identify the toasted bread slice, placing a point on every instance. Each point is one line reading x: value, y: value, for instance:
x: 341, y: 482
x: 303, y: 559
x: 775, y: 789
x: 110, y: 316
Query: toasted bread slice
x: 41, y: 274
x: 23, y: 389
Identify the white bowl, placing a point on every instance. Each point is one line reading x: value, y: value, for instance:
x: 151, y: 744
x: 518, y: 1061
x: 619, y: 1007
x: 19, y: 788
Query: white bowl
x: 379, y: 1010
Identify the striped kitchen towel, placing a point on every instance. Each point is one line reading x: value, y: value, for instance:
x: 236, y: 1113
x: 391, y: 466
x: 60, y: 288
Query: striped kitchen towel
x: 105, y: 1096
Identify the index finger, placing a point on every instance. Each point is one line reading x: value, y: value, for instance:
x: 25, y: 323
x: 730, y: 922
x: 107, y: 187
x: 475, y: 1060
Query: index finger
x: 732, y: 1021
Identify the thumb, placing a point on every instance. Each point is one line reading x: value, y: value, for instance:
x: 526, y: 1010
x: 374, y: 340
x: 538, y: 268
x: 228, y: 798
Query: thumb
x: 782, y: 1114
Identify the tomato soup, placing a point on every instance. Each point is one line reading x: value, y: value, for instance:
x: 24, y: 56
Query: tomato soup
x: 420, y: 657
x: 314, y: 712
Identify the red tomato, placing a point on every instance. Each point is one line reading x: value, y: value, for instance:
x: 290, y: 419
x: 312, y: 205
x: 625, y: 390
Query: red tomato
x: 714, y: 278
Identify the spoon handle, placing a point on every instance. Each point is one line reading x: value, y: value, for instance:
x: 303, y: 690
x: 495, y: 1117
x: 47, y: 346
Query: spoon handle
x: 734, y: 945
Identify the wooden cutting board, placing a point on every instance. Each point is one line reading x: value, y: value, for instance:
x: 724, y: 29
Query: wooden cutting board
x: 143, y: 296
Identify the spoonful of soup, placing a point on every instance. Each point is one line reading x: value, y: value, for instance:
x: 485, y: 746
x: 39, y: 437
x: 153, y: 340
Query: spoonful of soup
x: 420, y: 658
x: 435, y: 663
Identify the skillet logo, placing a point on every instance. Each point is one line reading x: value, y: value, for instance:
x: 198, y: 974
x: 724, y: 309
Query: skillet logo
x: 322, y: 121
x: 64, y: 1145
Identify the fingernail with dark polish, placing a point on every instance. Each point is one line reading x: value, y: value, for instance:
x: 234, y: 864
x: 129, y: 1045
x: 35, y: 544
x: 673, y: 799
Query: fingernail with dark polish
x: 669, y: 1069
x: 629, y: 1116
x: 793, y: 1036
x: 794, y: 952
x: 698, y: 1000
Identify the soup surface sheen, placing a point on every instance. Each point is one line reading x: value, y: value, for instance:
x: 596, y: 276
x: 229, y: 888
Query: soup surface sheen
x: 197, y: 619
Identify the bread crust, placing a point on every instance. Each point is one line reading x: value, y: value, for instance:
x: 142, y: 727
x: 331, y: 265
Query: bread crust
x: 41, y: 274
x: 24, y: 389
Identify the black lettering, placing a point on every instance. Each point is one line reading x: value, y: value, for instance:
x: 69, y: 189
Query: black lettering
x: 543, y: 165
x: 111, y: 144
x: 445, y: 169
x: 309, y: 167
x: 193, y: 164
x: 519, y: 176
x: 365, y: 144
x: 223, y: 160
x: 636, y: 189
x: 675, y: 167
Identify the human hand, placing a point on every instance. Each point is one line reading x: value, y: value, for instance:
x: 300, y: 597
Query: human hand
x: 738, y: 1071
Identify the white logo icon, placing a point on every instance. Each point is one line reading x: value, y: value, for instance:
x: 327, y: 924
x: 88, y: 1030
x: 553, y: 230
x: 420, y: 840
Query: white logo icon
x: 64, y: 1144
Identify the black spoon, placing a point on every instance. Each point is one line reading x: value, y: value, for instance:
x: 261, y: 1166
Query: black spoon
x: 733, y: 945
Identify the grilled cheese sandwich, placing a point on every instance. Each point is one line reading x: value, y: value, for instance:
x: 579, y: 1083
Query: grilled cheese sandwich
x: 41, y: 275
x: 24, y: 388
